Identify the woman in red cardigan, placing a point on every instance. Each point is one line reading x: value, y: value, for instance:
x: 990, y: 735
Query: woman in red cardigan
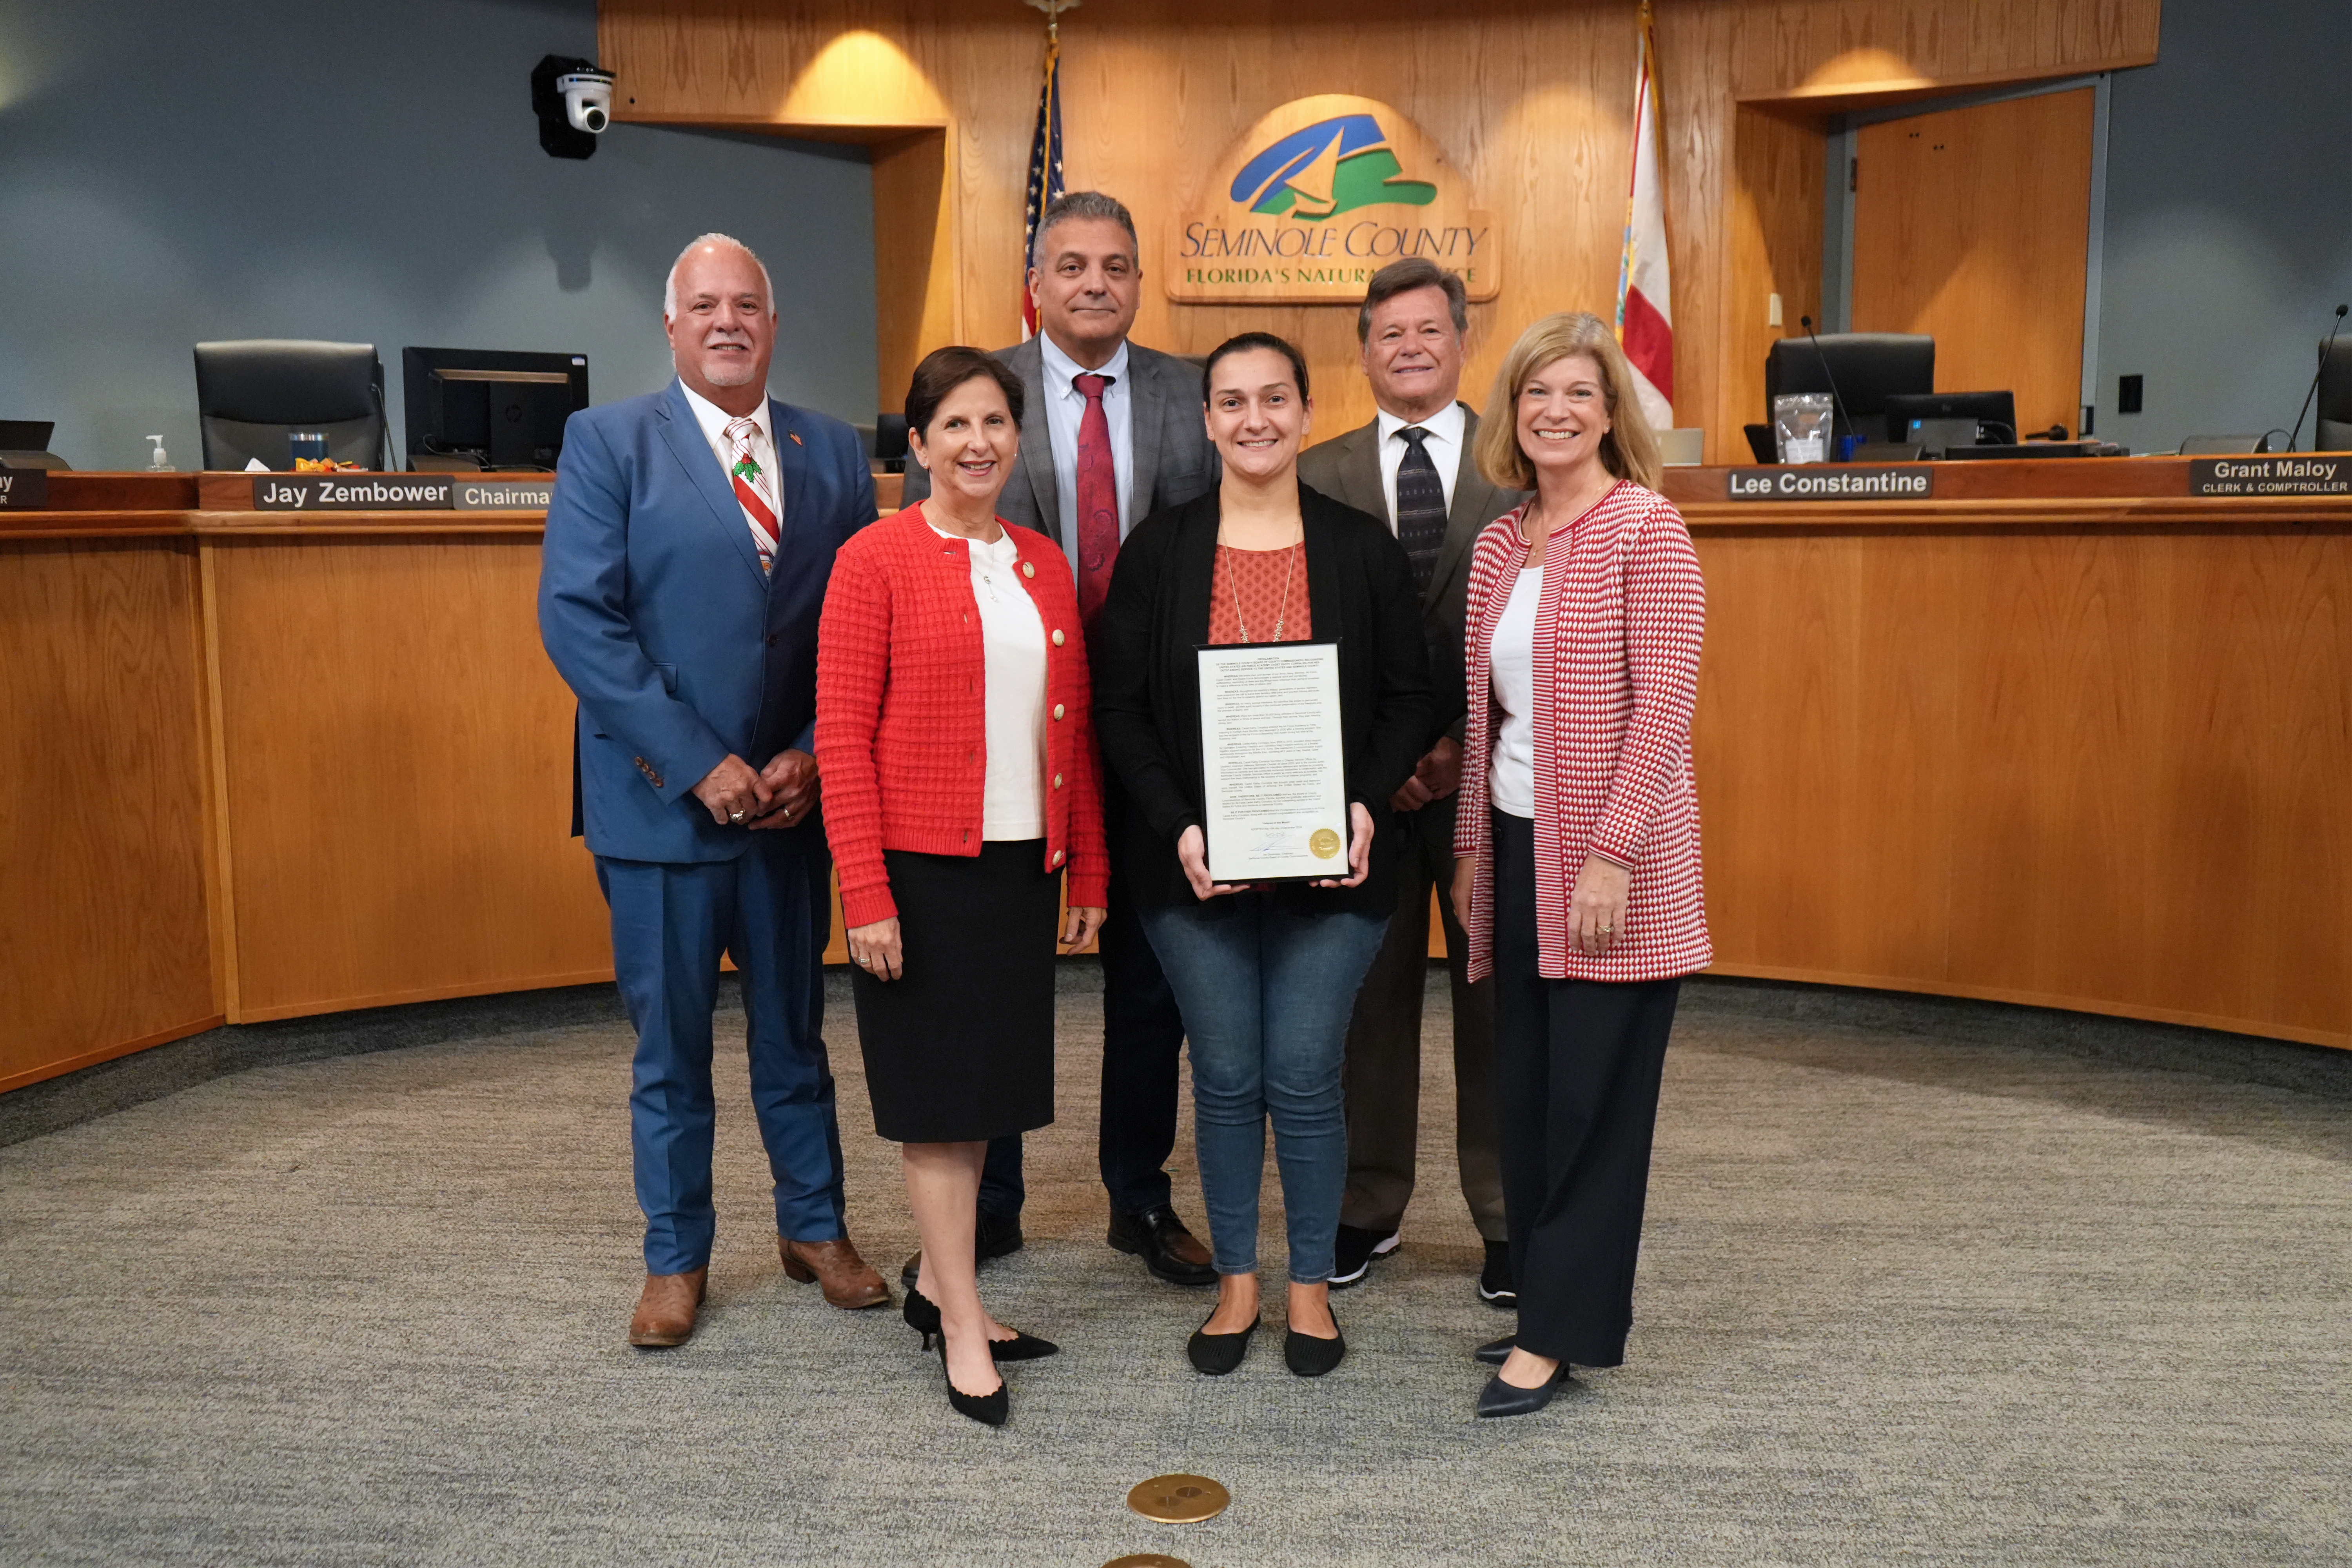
x: 1577, y: 881
x: 955, y: 736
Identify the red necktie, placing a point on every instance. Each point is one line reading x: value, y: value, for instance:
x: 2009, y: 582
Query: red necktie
x: 1097, y: 496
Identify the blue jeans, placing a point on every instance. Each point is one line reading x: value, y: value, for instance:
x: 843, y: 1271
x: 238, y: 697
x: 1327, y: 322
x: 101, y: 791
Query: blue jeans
x: 1267, y: 992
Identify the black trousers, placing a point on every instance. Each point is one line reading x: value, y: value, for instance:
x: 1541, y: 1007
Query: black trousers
x: 1143, y: 1041
x: 1576, y: 1064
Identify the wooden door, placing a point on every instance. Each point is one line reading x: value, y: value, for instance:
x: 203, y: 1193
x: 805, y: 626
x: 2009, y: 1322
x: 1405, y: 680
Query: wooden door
x: 1974, y: 224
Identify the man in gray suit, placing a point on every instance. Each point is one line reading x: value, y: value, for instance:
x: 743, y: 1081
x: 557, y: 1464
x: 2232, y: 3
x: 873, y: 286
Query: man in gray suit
x: 1413, y: 466
x: 1111, y: 432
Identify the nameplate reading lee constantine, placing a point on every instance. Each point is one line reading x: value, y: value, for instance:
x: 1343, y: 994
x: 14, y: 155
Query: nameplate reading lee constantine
x: 1834, y: 481
x: 353, y: 492
x: 2285, y: 475
x: 22, y: 489
x: 1273, y: 765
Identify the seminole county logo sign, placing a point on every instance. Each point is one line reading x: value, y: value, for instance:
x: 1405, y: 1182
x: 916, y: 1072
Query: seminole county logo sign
x: 1317, y: 197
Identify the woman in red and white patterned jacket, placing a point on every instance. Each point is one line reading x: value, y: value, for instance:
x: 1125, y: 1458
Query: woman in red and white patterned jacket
x: 1578, y: 876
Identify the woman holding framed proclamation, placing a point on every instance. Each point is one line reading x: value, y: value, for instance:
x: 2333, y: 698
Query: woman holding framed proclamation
x: 961, y: 787
x: 1265, y: 975
x: 1578, y: 876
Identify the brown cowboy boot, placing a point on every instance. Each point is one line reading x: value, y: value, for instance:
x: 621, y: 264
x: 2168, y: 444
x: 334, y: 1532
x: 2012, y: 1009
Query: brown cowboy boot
x: 665, y: 1311
x: 849, y: 1282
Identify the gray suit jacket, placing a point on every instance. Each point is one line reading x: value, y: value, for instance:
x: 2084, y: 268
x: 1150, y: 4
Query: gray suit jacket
x: 1173, y: 459
x: 1348, y: 470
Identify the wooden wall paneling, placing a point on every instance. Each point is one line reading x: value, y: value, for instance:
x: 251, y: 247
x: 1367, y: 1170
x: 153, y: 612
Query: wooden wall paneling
x: 1973, y: 224
x: 1824, y: 745
x: 1848, y: 51
x: 2078, y: 769
x: 102, y: 933
x: 1772, y: 245
x: 398, y: 775
x: 914, y: 236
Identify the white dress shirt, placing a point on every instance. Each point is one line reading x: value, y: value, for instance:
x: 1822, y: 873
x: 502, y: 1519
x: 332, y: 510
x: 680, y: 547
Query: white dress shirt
x: 1511, y: 670
x: 1013, y: 681
x: 1444, y: 447
x: 1065, y: 406
x: 714, y: 421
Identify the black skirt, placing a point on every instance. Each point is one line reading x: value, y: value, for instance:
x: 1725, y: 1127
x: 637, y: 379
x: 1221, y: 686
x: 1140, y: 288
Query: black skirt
x: 960, y: 1046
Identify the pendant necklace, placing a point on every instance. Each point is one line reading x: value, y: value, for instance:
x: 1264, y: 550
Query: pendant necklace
x: 1233, y: 570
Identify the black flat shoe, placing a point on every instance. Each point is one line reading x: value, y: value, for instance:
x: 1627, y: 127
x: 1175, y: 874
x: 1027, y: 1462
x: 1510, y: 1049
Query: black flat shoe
x: 1500, y: 1398
x: 1495, y: 1352
x: 922, y: 1315
x: 1218, y: 1354
x: 1309, y: 1356
x: 988, y: 1409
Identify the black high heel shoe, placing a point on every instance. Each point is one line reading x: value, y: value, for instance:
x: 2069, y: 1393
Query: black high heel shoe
x: 1218, y: 1354
x: 1502, y: 1399
x: 988, y: 1409
x: 922, y: 1315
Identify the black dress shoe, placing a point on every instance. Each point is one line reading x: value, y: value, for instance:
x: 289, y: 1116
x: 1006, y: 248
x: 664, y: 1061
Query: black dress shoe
x: 1495, y: 1287
x: 1168, y: 1250
x: 1310, y: 1356
x: 1352, y: 1251
x: 1500, y: 1398
x: 1495, y: 1352
x: 1218, y: 1354
x: 991, y: 1237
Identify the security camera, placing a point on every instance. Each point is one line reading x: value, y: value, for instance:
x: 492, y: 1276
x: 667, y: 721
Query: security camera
x: 574, y: 100
x: 587, y: 99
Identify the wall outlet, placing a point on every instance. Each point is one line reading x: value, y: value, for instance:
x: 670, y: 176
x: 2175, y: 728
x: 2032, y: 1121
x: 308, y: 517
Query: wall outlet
x: 1772, y: 312
x: 2129, y: 391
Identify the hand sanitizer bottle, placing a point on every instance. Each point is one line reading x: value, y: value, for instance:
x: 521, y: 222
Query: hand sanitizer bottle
x: 160, y: 463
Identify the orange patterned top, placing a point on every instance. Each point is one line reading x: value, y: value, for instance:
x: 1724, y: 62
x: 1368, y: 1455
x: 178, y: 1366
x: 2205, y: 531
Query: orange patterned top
x: 1264, y: 590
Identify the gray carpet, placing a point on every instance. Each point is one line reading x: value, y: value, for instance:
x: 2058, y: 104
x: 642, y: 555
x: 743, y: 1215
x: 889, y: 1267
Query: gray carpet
x: 1950, y: 1300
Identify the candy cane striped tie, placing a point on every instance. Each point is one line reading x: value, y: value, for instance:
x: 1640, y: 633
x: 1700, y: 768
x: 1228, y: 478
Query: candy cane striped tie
x: 751, y: 488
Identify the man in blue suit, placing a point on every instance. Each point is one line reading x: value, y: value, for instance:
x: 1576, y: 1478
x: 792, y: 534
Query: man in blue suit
x: 687, y: 550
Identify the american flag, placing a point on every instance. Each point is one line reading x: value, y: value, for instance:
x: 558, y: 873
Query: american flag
x: 1045, y: 174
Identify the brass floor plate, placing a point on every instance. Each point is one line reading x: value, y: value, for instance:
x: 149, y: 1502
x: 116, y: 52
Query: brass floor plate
x: 1178, y: 1499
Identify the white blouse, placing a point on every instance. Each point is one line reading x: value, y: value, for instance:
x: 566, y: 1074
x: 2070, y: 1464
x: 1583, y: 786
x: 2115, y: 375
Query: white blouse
x: 1511, y: 661
x: 1013, y: 641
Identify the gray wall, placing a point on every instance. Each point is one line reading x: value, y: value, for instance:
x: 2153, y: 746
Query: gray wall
x: 2229, y: 233
x: 174, y: 172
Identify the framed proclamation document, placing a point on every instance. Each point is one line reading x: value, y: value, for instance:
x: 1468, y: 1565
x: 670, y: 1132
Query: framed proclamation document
x: 1273, y: 765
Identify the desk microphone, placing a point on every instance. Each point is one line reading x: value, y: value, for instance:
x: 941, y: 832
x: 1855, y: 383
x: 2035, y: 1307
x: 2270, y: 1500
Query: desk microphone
x: 2324, y: 352
x: 1836, y: 402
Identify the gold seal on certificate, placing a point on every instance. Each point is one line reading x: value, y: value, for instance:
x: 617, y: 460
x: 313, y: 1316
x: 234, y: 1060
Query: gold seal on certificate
x: 1272, y: 767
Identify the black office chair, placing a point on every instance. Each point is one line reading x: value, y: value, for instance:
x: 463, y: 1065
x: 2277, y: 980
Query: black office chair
x: 2334, y: 431
x: 1866, y: 367
x: 250, y: 396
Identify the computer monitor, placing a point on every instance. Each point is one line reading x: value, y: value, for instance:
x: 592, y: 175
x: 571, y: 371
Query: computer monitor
x: 1933, y: 420
x: 502, y: 410
x: 1868, y: 368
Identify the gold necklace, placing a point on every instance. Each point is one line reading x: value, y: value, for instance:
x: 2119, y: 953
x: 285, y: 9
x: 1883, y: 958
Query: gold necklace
x: 1233, y: 570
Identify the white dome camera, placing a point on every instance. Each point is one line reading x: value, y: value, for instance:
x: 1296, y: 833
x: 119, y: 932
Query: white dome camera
x: 587, y: 99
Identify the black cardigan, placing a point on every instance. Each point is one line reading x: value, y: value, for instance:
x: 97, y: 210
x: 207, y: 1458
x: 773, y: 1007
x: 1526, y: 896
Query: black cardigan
x: 1148, y: 685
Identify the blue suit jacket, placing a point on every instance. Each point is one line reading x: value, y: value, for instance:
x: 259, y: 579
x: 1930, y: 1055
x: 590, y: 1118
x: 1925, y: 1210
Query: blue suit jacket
x: 654, y: 609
